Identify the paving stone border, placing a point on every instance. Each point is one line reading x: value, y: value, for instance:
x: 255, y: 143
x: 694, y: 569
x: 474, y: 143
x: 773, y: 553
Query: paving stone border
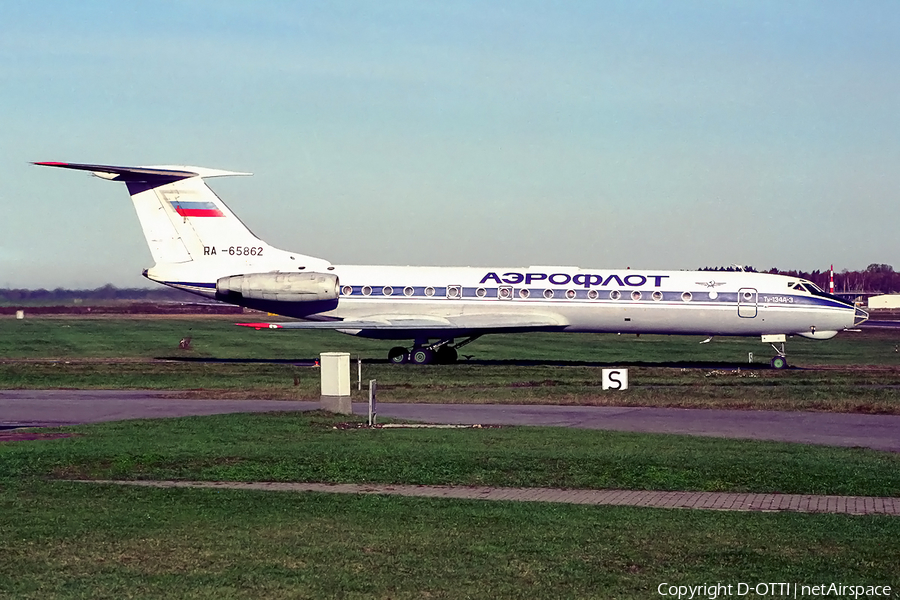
x: 852, y: 505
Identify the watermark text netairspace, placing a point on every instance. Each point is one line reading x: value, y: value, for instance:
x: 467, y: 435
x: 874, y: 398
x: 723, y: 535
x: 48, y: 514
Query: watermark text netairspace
x: 712, y: 591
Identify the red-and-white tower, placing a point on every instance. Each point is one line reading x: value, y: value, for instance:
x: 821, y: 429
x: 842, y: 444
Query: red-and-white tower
x: 831, y: 281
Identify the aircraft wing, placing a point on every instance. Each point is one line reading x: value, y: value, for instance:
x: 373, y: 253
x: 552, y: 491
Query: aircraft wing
x: 477, y: 323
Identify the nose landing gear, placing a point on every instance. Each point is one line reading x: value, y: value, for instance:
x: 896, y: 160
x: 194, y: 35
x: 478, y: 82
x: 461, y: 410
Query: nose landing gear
x: 780, y: 360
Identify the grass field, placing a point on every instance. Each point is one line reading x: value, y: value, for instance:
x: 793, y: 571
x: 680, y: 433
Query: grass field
x: 65, y: 540
x: 78, y: 540
x: 218, y: 337
x: 75, y: 540
x: 855, y: 372
x: 306, y: 447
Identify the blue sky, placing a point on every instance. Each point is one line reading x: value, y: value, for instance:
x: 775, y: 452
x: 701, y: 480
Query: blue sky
x: 598, y: 134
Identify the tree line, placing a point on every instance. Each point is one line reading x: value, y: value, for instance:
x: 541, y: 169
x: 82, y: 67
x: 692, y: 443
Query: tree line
x: 107, y: 293
x: 876, y: 278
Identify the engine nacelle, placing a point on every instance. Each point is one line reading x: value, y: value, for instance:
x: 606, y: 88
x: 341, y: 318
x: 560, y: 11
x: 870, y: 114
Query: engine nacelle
x: 280, y: 287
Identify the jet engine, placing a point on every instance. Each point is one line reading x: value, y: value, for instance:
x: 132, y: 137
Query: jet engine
x: 279, y: 287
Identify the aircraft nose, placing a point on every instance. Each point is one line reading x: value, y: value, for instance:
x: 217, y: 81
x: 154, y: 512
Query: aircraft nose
x: 860, y: 317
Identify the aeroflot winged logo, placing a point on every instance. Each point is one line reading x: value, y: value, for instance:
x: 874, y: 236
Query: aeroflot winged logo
x: 585, y: 280
x: 196, y: 209
x: 710, y: 284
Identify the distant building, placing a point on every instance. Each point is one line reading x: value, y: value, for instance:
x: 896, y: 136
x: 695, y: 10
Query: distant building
x: 885, y: 301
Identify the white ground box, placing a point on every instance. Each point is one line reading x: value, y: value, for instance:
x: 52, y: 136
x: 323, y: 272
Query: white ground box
x: 335, y: 381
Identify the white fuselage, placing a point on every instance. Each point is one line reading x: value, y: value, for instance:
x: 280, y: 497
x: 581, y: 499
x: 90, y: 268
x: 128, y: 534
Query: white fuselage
x: 578, y: 300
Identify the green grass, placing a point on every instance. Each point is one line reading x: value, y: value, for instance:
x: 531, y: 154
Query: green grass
x: 218, y: 337
x: 67, y: 540
x: 71, y: 540
x: 306, y: 447
x: 835, y: 389
x: 852, y: 373
x: 77, y: 540
x: 83, y: 540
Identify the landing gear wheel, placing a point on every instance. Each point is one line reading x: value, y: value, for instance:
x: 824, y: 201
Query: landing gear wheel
x: 446, y: 355
x: 422, y: 356
x: 398, y: 355
x: 779, y: 362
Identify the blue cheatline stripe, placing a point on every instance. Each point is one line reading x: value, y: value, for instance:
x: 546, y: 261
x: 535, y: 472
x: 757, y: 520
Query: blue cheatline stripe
x: 559, y: 295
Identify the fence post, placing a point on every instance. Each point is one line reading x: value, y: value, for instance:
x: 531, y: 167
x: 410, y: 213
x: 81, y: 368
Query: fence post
x: 372, y: 401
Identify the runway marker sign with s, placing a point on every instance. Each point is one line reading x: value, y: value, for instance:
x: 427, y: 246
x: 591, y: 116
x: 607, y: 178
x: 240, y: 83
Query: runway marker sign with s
x: 614, y: 379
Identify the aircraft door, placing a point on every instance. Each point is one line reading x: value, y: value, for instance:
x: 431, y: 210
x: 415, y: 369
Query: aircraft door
x: 747, y: 298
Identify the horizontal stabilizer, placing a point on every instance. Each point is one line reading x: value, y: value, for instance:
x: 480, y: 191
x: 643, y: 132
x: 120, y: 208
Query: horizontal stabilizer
x: 144, y: 174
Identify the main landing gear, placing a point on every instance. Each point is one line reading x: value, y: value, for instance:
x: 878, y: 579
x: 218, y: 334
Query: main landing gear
x: 443, y: 352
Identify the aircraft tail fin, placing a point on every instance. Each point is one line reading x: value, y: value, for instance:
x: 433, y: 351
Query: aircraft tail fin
x: 182, y: 218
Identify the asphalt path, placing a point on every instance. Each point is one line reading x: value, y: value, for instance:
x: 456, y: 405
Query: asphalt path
x: 70, y: 407
x: 56, y: 408
x: 880, y: 432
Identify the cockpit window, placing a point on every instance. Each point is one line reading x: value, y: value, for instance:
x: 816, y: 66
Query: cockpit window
x: 799, y: 287
x: 817, y: 291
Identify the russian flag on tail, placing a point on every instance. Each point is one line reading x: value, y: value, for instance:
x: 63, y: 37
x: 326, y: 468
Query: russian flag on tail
x: 196, y: 209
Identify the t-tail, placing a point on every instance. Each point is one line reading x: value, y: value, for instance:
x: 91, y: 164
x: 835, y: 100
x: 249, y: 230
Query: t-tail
x: 197, y: 243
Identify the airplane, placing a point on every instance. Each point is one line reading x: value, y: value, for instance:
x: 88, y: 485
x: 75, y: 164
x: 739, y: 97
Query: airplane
x: 201, y: 247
